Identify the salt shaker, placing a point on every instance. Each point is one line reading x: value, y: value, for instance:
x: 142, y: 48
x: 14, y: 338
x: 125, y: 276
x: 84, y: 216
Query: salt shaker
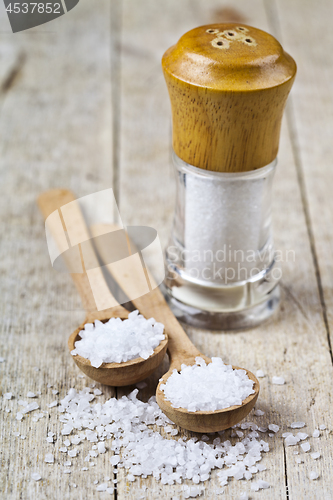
x: 228, y: 86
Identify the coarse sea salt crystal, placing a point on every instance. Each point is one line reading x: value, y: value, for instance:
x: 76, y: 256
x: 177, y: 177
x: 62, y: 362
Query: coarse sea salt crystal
x: 274, y: 427
x: 2, y: 360
x: 291, y: 440
x: 302, y: 435
x: 322, y: 427
x: 35, y: 476
x: 31, y: 394
x: 313, y: 475
x: 278, y: 381
x: 207, y: 387
x: 305, y: 447
x: 315, y: 455
x: 259, y: 413
x: 260, y: 374
x: 49, y: 458
x: 117, y: 340
x: 259, y: 485
x: 243, y: 496
x: 8, y: 395
x: 316, y: 433
x: 297, y: 425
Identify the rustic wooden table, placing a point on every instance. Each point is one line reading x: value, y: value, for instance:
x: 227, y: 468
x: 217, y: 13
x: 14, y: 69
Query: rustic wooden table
x: 83, y: 105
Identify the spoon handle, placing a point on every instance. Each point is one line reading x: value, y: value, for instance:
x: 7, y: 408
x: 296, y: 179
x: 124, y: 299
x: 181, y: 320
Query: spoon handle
x: 153, y: 304
x: 91, y: 287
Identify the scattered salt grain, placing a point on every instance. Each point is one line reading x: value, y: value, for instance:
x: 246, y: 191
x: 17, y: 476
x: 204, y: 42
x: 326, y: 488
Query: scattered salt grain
x: 299, y: 460
x: 278, y: 381
x: 259, y: 413
x: 260, y: 374
x: 97, y: 392
x: 297, y: 425
x: 54, y: 403
x: 316, y: 433
x: 291, y: 440
x: 244, y: 496
x: 101, y: 447
x: 313, y: 475
x: 55, y: 392
x: 67, y: 442
x: 35, y: 476
x: 2, y: 360
x: 63, y: 449
x: 315, y: 455
x: 19, y: 415
x: 117, y: 341
x: 36, y: 368
x: 30, y: 407
x: 74, y: 485
x: 322, y: 427
x: 23, y: 437
x: 68, y: 463
x: 31, y: 394
x: 22, y: 403
x: 302, y: 435
x: 102, y: 487
x: 305, y: 447
x: 8, y: 395
x: 274, y: 427
x: 207, y: 387
x: 49, y: 458
x: 73, y: 453
x: 67, y: 471
x: 84, y: 468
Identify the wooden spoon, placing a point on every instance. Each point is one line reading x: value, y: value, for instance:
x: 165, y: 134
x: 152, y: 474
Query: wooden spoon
x: 182, y: 351
x: 114, y: 374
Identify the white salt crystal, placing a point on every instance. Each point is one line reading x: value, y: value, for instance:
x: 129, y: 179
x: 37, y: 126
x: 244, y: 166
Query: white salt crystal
x: 274, y: 427
x: 50, y: 439
x: 74, y: 485
x: 7, y: 410
x: 96, y: 481
x: 22, y: 403
x: 84, y: 468
x: 291, y: 440
x: 67, y: 442
x: 102, y: 487
x: 73, y: 453
x: 31, y: 394
x: 299, y: 460
x: 35, y: 476
x: 23, y: 437
x: 92, y: 464
x: 259, y: 413
x: 54, y: 403
x: 244, y: 496
x: 297, y: 425
x: 63, y: 449
x: 260, y: 374
x: 305, y: 447
x: 101, y: 447
x: 55, y: 392
x: 316, y: 433
x: 19, y: 416
x: 36, y: 368
x: 115, y: 460
x: 117, y: 341
x: 286, y: 434
x: 97, y: 392
x: 30, y: 407
x: 8, y: 395
x: 207, y: 387
x: 313, y: 475
x: 278, y: 381
x: 2, y: 360
x: 322, y: 427
x: 68, y: 463
x: 49, y: 458
x: 315, y: 455
x: 67, y: 471
x: 302, y: 435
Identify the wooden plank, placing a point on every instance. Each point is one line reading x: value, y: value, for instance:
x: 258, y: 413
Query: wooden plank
x: 294, y: 344
x: 55, y: 130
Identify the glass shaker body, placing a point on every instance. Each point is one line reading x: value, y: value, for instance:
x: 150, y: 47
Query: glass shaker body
x: 221, y: 268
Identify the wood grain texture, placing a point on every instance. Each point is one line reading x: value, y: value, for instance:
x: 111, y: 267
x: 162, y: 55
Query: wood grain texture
x: 228, y: 90
x: 294, y: 344
x: 55, y: 130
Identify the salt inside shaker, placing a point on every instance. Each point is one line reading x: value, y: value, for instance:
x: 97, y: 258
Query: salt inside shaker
x: 228, y: 86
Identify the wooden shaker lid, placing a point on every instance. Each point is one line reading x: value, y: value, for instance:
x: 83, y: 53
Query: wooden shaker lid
x: 228, y: 85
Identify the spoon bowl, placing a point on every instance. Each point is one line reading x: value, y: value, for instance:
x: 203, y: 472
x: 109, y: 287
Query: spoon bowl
x: 207, y: 421
x: 118, y: 374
